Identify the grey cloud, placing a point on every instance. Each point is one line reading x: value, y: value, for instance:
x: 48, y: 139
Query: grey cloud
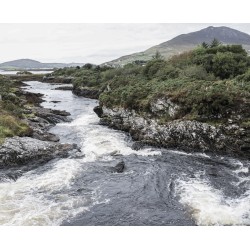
x: 95, y: 42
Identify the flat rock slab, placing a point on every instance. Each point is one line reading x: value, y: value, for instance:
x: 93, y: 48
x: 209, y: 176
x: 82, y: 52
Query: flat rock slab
x: 24, y: 150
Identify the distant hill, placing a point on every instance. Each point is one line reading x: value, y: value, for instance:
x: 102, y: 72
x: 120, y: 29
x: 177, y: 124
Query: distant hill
x: 187, y: 42
x: 32, y: 64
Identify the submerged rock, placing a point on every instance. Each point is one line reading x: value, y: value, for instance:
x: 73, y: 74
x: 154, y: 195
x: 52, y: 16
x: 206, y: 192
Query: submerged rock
x: 17, y: 151
x: 137, y: 145
x: 119, y: 168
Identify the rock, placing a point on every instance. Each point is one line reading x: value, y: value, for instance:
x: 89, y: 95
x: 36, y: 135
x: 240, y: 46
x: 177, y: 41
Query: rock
x: 164, y: 106
x: 137, y: 145
x: 187, y: 135
x: 17, y: 151
x: 119, y: 168
x: 57, y: 79
x: 64, y: 88
x: 98, y: 110
x: 213, y: 172
x: 86, y: 92
x: 60, y: 112
x: 45, y: 136
x: 52, y: 116
x: 245, y: 147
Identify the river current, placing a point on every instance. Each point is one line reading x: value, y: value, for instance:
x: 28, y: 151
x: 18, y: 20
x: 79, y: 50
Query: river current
x: 158, y: 186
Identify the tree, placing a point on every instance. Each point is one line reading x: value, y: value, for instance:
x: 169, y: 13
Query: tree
x: 224, y: 65
x: 215, y: 43
x: 157, y: 55
x: 204, y: 45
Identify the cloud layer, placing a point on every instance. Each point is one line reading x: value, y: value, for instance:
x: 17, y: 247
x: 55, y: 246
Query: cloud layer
x: 95, y: 43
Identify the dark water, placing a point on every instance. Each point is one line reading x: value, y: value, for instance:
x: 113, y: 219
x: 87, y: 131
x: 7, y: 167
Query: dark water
x: 158, y: 186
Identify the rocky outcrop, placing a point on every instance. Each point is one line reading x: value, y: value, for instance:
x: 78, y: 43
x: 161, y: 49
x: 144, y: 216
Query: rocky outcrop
x: 17, y: 151
x: 86, y: 92
x: 162, y: 106
x: 182, y: 134
x: 42, y: 119
x: 64, y: 88
x: 57, y: 79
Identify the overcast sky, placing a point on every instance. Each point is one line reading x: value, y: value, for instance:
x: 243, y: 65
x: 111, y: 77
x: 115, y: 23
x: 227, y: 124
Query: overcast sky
x: 95, y: 43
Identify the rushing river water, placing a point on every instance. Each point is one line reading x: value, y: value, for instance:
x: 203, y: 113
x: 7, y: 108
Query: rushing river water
x: 158, y: 186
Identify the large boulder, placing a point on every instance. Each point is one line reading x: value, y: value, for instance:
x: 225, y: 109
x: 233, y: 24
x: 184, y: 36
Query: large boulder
x: 17, y: 151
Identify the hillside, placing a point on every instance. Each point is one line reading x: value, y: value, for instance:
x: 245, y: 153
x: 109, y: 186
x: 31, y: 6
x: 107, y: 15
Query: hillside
x: 186, y: 42
x: 32, y: 64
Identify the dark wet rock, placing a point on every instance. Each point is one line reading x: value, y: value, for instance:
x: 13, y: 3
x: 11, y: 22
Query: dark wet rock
x: 55, y: 101
x: 86, y: 92
x: 213, y: 172
x: 64, y: 88
x: 51, y: 116
x: 44, y: 119
x: 119, y: 167
x: 57, y: 79
x: 17, y: 151
x: 137, y: 145
x: 60, y: 112
x: 34, y: 98
x: 98, y: 110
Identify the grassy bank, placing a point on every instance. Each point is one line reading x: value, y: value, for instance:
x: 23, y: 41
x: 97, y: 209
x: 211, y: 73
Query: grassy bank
x: 11, y: 110
x: 209, y: 83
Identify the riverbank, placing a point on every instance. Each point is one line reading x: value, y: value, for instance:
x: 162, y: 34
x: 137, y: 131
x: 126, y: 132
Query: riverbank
x: 196, y: 101
x: 37, y: 144
x: 187, y: 135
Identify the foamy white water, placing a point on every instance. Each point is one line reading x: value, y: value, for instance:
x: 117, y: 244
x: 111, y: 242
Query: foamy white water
x: 45, y: 198
x: 209, y: 206
x: 65, y: 188
x: 41, y: 199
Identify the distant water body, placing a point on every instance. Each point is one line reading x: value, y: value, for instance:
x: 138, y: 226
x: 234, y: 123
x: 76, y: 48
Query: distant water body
x: 36, y: 72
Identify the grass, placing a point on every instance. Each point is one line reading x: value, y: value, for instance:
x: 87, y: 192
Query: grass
x: 207, y: 83
x: 11, y: 111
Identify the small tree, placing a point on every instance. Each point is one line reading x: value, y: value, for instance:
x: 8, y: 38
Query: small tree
x: 215, y: 43
x: 204, y: 45
x: 157, y: 55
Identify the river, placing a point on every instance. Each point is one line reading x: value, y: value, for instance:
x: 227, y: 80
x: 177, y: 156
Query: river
x: 158, y: 186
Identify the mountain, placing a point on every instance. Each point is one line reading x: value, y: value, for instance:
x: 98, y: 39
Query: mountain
x: 187, y: 42
x: 32, y: 64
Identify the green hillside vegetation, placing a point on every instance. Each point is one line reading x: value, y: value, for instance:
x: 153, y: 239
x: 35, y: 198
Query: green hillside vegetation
x: 11, y: 111
x: 210, y: 82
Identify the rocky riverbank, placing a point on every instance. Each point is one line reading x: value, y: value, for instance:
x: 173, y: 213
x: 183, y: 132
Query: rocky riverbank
x: 188, y: 135
x: 57, y: 79
x: 41, y: 145
x: 86, y: 92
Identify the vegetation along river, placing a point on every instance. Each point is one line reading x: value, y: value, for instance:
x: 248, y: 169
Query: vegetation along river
x: 157, y: 186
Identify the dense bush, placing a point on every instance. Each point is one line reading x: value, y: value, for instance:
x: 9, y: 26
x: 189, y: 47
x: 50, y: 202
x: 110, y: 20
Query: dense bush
x: 212, y: 80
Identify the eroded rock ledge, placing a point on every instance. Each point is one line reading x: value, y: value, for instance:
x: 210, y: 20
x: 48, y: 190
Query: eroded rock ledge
x: 180, y: 134
x: 22, y: 150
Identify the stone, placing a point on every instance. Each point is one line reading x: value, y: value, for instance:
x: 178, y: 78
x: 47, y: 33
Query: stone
x: 119, y: 168
x: 98, y: 110
x: 187, y: 135
x: 137, y: 145
x: 17, y: 151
